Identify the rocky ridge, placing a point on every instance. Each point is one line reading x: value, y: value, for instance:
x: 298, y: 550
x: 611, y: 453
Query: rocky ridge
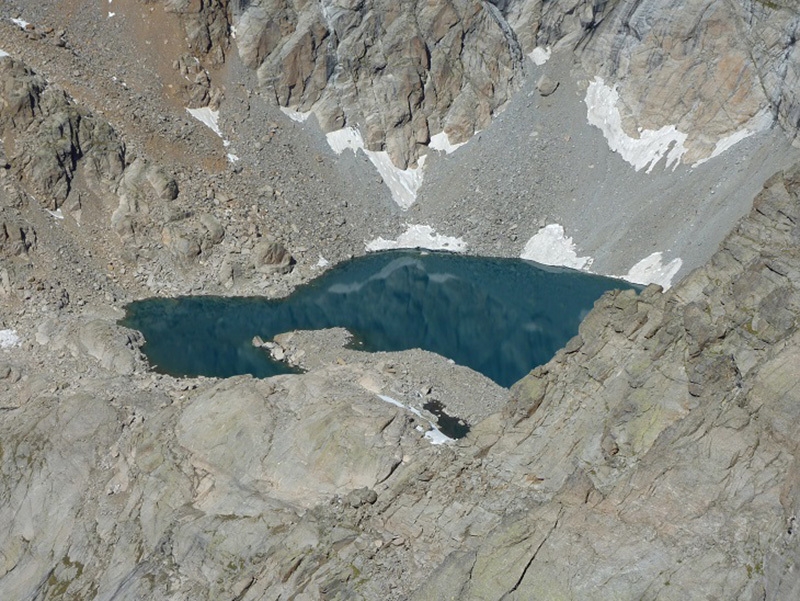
x: 712, y: 70
x: 430, y: 67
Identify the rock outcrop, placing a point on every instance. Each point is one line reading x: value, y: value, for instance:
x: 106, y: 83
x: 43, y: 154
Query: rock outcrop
x: 657, y: 440
x: 206, y: 25
x: 141, y: 189
x: 710, y: 68
x: 714, y: 70
x: 47, y: 137
x: 399, y: 73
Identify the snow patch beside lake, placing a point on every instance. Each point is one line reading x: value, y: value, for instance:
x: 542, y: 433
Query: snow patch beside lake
x: 550, y: 246
x: 419, y: 236
x: 434, y: 435
x: 9, y: 339
x: 540, y: 55
x: 646, y: 150
x: 651, y: 270
x: 402, y: 183
x: 441, y: 142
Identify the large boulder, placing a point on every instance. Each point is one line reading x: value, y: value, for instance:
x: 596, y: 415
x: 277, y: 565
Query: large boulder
x: 51, y: 137
x: 115, y: 347
x: 270, y: 256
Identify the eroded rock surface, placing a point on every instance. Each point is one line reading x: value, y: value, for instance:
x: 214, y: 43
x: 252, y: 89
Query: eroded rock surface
x: 712, y: 69
x: 655, y: 440
x: 46, y: 137
x: 399, y: 73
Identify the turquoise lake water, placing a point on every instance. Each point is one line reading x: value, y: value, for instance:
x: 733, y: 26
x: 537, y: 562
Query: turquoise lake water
x: 501, y: 317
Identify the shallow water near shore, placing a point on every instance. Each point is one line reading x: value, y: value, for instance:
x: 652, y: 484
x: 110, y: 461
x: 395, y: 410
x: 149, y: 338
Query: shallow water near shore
x: 501, y: 317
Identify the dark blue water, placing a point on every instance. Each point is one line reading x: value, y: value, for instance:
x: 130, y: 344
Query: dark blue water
x: 501, y: 317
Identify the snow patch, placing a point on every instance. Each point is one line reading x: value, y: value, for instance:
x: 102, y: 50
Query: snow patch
x: 20, y: 23
x: 295, y: 115
x: 323, y: 262
x: 651, y: 270
x: 3, y: 53
x: 434, y: 435
x: 391, y: 401
x: 759, y: 122
x: 110, y: 14
x: 344, y: 139
x: 402, y: 183
x: 646, y: 150
x: 208, y: 117
x: 9, y: 339
x: 57, y: 213
x: 441, y: 142
x: 419, y: 236
x: 540, y: 55
x: 551, y: 247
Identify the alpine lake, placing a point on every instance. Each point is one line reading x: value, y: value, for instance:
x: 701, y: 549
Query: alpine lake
x: 500, y: 317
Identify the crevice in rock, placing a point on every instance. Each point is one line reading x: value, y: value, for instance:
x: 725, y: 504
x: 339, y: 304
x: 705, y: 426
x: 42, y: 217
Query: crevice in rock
x: 514, y: 49
x: 533, y: 557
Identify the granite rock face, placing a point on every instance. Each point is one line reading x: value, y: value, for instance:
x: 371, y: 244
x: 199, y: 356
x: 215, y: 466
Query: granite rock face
x: 206, y: 25
x: 400, y: 73
x: 655, y: 445
x: 47, y: 137
x: 710, y: 68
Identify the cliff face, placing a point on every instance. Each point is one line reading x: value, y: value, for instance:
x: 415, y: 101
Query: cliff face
x: 710, y: 68
x: 401, y: 73
x: 659, y: 444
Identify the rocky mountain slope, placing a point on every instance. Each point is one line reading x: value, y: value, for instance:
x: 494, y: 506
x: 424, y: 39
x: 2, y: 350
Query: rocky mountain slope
x: 709, y: 69
x: 652, y: 458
